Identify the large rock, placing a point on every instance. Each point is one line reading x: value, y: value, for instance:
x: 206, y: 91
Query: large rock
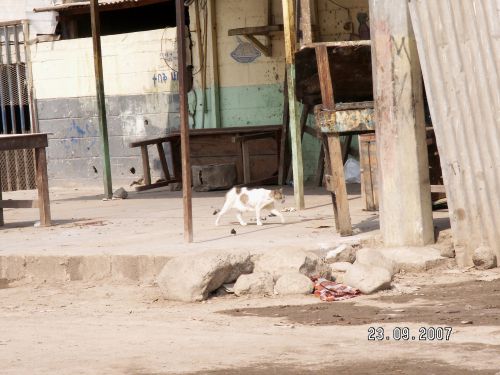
x: 484, y: 258
x: 342, y: 253
x: 279, y: 262
x: 375, y: 258
x: 192, y: 278
x: 338, y: 270
x: 259, y: 283
x: 368, y: 279
x: 293, y: 283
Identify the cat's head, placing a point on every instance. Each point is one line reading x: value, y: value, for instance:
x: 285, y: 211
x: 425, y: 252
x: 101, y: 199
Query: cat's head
x: 278, y: 195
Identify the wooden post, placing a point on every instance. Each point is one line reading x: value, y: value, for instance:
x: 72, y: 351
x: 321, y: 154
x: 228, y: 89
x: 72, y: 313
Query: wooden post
x: 404, y: 189
x: 1, y: 209
x: 295, y: 132
x: 214, y: 64
x: 42, y: 185
x: 306, y: 21
x: 101, y: 104
x: 186, y: 162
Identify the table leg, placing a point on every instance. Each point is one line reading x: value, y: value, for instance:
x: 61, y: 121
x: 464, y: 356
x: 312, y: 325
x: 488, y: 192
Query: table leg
x: 145, y: 165
x: 42, y: 184
x: 1, y: 209
x: 340, y: 201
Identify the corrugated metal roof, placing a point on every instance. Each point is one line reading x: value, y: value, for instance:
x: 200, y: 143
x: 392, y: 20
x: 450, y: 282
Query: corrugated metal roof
x: 82, y: 4
x: 458, y: 44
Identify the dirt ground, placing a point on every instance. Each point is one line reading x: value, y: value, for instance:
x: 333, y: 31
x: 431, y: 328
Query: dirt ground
x: 77, y: 328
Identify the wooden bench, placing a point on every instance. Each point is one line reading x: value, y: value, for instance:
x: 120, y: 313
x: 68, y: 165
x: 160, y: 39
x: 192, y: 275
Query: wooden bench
x: 255, y: 150
x: 38, y: 142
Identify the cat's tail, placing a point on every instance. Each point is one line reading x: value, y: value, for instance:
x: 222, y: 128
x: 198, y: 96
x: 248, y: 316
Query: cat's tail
x: 230, y: 197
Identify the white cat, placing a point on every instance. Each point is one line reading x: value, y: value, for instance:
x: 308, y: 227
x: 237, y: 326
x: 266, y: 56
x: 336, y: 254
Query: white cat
x: 243, y: 199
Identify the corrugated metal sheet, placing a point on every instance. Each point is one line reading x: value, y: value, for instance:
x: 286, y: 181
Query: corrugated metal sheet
x: 458, y: 44
x: 81, y: 4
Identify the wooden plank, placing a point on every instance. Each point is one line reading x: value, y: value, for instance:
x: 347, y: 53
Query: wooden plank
x: 306, y: 22
x: 366, y: 175
x: 42, y: 185
x: 256, y: 30
x: 438, y: 189
x: 338, y: 180
x: 18, y: 203
x: 347, y: 43
x: 146, y: 171
x: 184, y: 115
x: 320, y: 168
x: 155, y: 185
x: 325, y: 78
x: 23, y: 141
x: 163, y: 161
x: 295, y: 131
x: 246, y: 162
x: 284, y: 156
x: 266, y: 50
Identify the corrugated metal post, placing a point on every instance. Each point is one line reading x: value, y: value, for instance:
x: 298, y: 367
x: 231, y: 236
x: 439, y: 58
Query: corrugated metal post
x: 295, y: 132
x: 101, y: 104
x: 186, y: 163
x: 404, y: 188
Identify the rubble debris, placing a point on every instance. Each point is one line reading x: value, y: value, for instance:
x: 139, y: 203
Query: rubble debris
x: 293, y: 283
x: 120, y: 193
x: 330, y: 291
x: 484, y: 258
x: 342, y: 253
x: 233, y: 231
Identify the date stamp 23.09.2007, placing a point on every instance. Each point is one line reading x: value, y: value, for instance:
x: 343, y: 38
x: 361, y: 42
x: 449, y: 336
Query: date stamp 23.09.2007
x: 406, y: 334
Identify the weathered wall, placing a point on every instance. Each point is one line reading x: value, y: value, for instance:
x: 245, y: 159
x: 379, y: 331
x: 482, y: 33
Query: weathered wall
x: 41, y: 23
x: 251, y: 93
x: 141, y: 100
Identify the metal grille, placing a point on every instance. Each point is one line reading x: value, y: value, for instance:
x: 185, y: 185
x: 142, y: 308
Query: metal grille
x: 17, y: 168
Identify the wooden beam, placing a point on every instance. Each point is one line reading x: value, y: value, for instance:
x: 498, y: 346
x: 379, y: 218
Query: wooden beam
x: 1, y: 208
x: 23, y: 141
x: 101, y: 101
x: 186, y: 162
x: 325, y: 78
x: 295, y: 131
x: 18, y: 203
x: 266, y: 50
x: 214, y: 65
x: 306, y: 21
x: 256, y: 30
x: 403, y: 174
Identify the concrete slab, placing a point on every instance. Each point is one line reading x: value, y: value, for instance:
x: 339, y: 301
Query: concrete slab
x: 414, y: 259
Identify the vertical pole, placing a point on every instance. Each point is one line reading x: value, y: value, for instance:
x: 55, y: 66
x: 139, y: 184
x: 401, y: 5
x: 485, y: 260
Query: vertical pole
x: 214, y: 64
x: 290, y: 46
x: 404, y: 189
x: 3, y: 99
x: 29, y: 78
x: 101, y: 104
x: 186, y: 163
x: 18, y: 79
x: 306, y: 21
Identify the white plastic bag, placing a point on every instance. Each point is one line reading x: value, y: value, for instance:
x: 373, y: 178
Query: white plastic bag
x: 352, y: 171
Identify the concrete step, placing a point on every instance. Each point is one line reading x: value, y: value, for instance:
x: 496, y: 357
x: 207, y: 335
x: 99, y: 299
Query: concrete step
x: 56, y: 268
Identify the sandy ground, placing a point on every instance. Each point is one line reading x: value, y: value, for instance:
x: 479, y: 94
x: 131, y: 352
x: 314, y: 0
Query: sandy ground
x: 79, y: 328
x: 150, y: 223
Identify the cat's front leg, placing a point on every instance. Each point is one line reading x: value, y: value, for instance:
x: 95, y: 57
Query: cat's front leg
x: 257, y: 216
x: 240, y: 219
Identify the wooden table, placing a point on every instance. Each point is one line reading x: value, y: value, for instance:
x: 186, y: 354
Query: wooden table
x: 251, y: 148
x: 38, y: 142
